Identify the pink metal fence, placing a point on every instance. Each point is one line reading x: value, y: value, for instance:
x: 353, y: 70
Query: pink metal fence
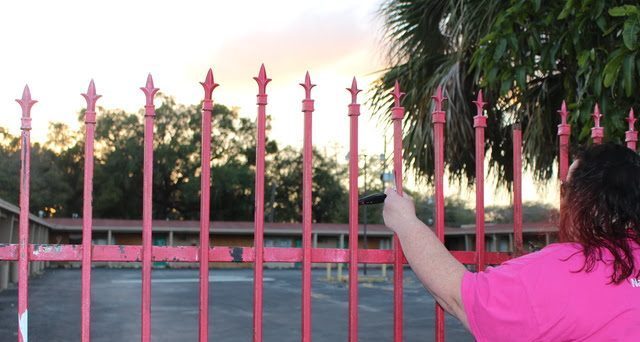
x: 87, y: 253
x: 354, y: 112
x: 438, y: 119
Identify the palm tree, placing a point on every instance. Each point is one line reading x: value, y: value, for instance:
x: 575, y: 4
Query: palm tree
x: 526, y: 55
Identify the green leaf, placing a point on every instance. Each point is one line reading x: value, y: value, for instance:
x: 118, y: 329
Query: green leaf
x: 500, y: 49
x: 630, y: 33
x: 488, y: 38
x: 610, y: 29
x: 554, y: 51
x: 623, y: 11
x: 492, y: 75
x: 598, y: 8
x: 566, y: 10
x: 597, y: 85
x: 521, y: 77
x: 513, y: 42
x: 531, y: 42
x: 612, y: 68
x: 602, y: 23
x: 627, y: 74
x: 505, y: 86
x: 582, y: 59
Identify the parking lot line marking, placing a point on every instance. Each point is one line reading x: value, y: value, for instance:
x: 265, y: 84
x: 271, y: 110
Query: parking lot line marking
x: 213, y: 279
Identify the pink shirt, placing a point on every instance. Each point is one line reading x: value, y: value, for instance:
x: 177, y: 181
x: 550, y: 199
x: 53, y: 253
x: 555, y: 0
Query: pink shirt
x: 537, y: 297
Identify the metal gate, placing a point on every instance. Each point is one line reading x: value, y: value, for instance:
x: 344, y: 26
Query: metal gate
x: 23, y: 252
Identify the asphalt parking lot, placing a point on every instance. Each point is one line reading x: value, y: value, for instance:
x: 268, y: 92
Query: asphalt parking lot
x: 54, y: 307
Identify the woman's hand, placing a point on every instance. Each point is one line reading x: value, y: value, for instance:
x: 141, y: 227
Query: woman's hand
x: 399, y: 211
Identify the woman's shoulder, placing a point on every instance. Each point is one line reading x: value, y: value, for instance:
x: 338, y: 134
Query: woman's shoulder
x: 560, y: 259
x: 555, y: 252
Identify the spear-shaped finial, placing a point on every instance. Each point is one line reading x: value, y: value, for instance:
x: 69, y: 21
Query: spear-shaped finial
x: 354, y: 107
x: 438, y: 115
x: 262, y: 80
x: 564, y: 131
x: 439, y: 98
x: 209, y: 85
x: 26, y: 102
x: 631, y: 136
x: 596, y: 115
x: 307, y: 85
x: 564, y: 113
x: 91, y: 97
x: 597, y: 132
x: 397, y: 95
x: 479, y: 104
x: 354, y: 91
x: 149, y: 90
x: 397, y: 112
x: 631, y: 120
x: 479, y: 121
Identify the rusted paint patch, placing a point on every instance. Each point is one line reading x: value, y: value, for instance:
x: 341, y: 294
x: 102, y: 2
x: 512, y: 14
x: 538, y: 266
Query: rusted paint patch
x: 37, y: 249
x: 236, y: 254
x: 54, y: 249
x: 23, y: 322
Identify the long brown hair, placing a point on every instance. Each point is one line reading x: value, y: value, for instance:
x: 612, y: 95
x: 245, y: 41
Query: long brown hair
x: 601, y: 207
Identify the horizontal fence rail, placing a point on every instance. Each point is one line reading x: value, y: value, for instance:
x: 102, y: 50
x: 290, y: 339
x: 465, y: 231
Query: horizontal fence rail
x: 131, y: 253
x: 87, y: 253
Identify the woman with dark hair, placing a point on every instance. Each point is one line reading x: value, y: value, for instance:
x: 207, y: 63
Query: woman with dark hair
x: 585, y: 288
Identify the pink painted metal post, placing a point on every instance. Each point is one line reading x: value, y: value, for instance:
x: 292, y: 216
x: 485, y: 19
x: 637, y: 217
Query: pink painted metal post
x: 258, y: 243
x: 147, y: 187
x: 205, y: 186
x: 597, y: 132
x: 397, y: 114
x: 517, y: 190
x: 438, y: 119
x: 564, y: 131
x: 87, y: 212
x: 480, y: 122
x: 307, y: 173
x: 23, y: 249
x: 354, y: 113
x: 631, y: 136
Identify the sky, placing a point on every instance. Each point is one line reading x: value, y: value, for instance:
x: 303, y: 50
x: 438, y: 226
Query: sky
x: 57, y: 47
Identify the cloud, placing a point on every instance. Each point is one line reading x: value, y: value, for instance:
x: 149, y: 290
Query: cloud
x: 313, y: 40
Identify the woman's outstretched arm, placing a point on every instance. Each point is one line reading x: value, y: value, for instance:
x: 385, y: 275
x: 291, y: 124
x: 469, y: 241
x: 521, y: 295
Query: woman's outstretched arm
x: 437, y: 269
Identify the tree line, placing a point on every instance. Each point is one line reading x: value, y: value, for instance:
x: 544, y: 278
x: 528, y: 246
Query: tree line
x: 58, y: 164
x: 57, y: 171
